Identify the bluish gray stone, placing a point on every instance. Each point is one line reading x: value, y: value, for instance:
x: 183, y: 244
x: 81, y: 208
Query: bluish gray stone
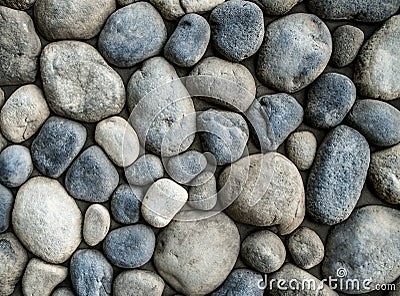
x: 132, y: 34
x: 337, y: 176
x: 130, y: 246
x: 184, y: 167
x: 272, y: 118
x: 125, y: 204
x: 91, y: 274
x: 347, y: 41
x: 15, y: 165
x: 189, y: 42
x: 330, y: 98
x: 237, y: 29
x: 145, y: 170
x: 57, y: 144
x: 92, y: 177
x: 6, y: 205
x: 241, y: 282
x: 378, y: 121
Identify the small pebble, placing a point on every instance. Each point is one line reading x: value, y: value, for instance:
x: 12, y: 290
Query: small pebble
x: 347, y: 41
x: 96, y: 224
x: 18, y: 4
x: 241, y: 282
x: 15, y: 166
x: 184, y: 167
x: 301, y: 148
x: 277, y: 7
x: 147, y: 169
x: 139, y: 283
x: 63, y: 292
x: 6, y: 206
x: 125, y: 204
x: 203, y: 192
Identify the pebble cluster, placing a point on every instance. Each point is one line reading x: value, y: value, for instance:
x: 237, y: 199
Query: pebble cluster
x: 191, y: 147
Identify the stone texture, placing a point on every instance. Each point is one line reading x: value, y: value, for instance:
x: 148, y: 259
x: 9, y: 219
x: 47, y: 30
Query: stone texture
x: 2, y: 98
x: 78, y: 83
x: 47, y: 220
x: 241, y: 282
x: 18, y: 4
x: 184, y: 167
x: 125, y: 204
x: 295, y: 51
x: 337, y: 176
x: 277, y: 7
x: 203, y: 192
x: 3, y: 142
x: 15, y: 166
x: 147, y: 169
x: 301, y: 148
x: 347, y: 41
x: 63, y: 292
x: 6, y: 206
x: 138, y: 283
x: 132, y: 34
x: 96, y: 224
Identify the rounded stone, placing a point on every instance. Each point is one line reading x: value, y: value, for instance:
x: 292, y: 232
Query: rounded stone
x: 118, y: 139
x: 63, y: 292
x: 18, y: 4
x: 132, y: 34
x: 263, y: 190
x: 295, y: 51
x: 6, y: 206
x: 277, y: 7
x: 78, y: 83
x: 337, y: 176
x: 241, y: 282
x: 77, y: 19
x: 379, y: 122
x: 23, y: 113
x: 184, y: 167
x: 188, y: 43
x: 130, y: 246
x: 92, y: 177
x: 263, y: 251
x: 203, y: 192
x: 47, y: 220
x: 18, y: 35
x: 139, y: 283
x: 15, y: 166
x: 347, y: 41
x: 195, y: 257
x: 237, y: 29
x: 96, y: 224
x: 306, y: 248
x: 125, y: 204
x: 147, y: 169
x: 330, y: 98
x: 59, y: 141
x: 301, y: 148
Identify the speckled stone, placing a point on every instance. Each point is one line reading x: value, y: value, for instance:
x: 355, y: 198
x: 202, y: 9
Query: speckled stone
x: 139, y: 283
x: 15, y: 166
x: 96, y: 224
x: 184, y: 167
x: 63, y: 292
x: 277, y: 7
x: 125, y: 204
x: 147, y: 169
x: 241, y: 282
x: 203, y: 192
x: 6, y: 206
x: 301, y: 148
x: 347, y: 41
x: 18, y: 4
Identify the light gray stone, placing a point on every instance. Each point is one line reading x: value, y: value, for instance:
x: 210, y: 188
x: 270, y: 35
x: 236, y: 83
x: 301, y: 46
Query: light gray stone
x: 96, y: 224
x: 203, y: 192
x: 139, y: 283
x: 301, y: 148
x: 147, y: 169
x: 184, y: 167
x: 63, y: 292
x: 347, y: 41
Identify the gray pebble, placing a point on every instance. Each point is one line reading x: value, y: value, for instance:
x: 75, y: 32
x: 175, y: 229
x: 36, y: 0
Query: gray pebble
x: 63, y: 292
x: 184, y: 167
x: 330, y: 98
x: 125, y: 204
x: 337, y: 176
x: 96, y: 224
x: 139, y: 283
x: 91, y: 274
x: 301, y: 148
x: 130, y: 246
x: 241, y: 282
x: 18, y: 4
x: 272, y: 118
x: 237, y: 29
x: 277, y: 7
x: 57, y: 144
x: 145, y: 170
x: 6, y: 206
x: 347, y: 41
x: 203, y: 192
x: 295, y: 51
x: 92, y: 177
x: 378, y: 121
x: 189, y: 41
x: 18, y: 35
x: 15, y: 166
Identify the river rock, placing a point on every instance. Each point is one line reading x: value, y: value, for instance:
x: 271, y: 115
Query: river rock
x: 241, y: 282
x: 277, y: 7
x: 147, y: 169
x: 301, y: 148
x: 96, y: 224
x: 6, y: 206
x: 125, y: 203
x: 203, y: 192
x: 15, y: 166
x: 139, y: 283
x: 18, y: 4
x: 184, y: 167
x: 347, y: 41
x: 63, y: 292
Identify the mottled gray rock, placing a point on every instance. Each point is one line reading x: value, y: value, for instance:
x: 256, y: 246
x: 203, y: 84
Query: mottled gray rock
x: 139, y: 283
x: 132, y: 34
x: 366, y: 246
x: 272, y: 118
x: 264, y: 190
x: 224, y: 134
x: 125, y: 204
x: 233, y: 85
x: 295, y: 51
x: 337, y: 176
x: 96, y: 224
x: 92, y: 177
x: 76, y: 19
x: 203, y: 192
x: 378, y: 121
x: 163, y: 113
x: 63, y: 292
x: 263, y: 251
x: 47, y: 220
x: 184, y: 167
x: 78, y: 83
x: 330, y: 98
x: 195, y: 257
x: 384, y: 174
x: 15, y: 165
x: 126, y: 2
x: 130, y: 246
x: 91, y: 274
x: 378, y: 63
x: 40, y: 278
x: 306, y: 247
x: 301, y: 148
x: 18, y: 4
x: 57, y: 144
x: 277, y: 7
x: 6, y: 206
x: 241, y: 282
x: 189, y: 41
x: 145, y: 170
x: 347, y: 41
x: 18, y: 35
x: 237, y: 29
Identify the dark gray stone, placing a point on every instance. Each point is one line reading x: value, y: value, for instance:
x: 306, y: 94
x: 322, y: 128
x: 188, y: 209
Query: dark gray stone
x: 189, y: 42
x: 92, y: 177
x: 15, y: 165
x: 378, y: 121
x: 347, y: 41
x: 276, y: 7
x: 330, y: 98
x: 272, y: 118
x: 18, y: 4
x: 125, y: 204
x: 337, y: 176
x: 241, y: 282
x: 130, y: 246
x: 132, y: 34
x: 91, y: 274
x: 57, y: 144
x: 184, y: 167
x: 6, y: 205
x: 145, y: 170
